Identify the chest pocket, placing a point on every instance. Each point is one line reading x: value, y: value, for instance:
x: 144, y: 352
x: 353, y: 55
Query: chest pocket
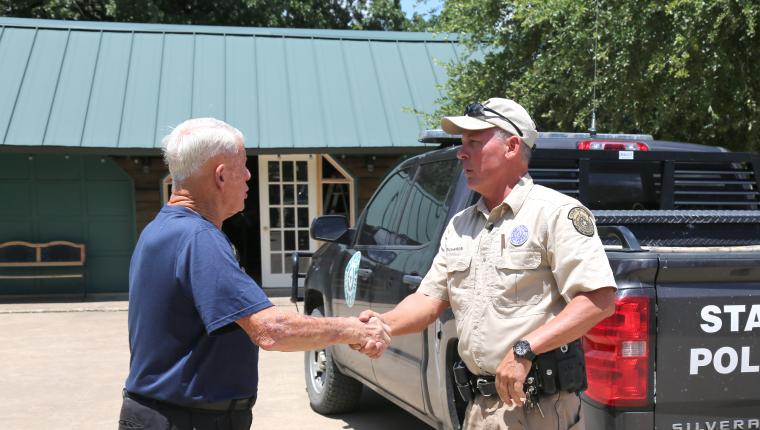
x: 518, y: 279
x: 459, y: 283
x: 457, y: 271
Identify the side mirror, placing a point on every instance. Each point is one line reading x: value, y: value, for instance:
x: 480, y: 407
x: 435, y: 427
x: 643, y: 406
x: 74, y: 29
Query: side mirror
x: 331, y: 228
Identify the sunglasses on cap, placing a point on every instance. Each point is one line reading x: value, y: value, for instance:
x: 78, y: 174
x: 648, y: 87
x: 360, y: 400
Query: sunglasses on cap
x: 476, y: 110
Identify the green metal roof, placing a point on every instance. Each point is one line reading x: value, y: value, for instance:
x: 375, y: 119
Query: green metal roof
x: 115, y: 85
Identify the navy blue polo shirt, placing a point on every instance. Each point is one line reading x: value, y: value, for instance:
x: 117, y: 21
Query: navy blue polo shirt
x: 186, y: 290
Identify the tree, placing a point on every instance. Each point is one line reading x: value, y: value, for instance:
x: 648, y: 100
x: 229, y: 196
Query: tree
x: 678, y: 69
x: 378, y: 15
x: 338, y: 14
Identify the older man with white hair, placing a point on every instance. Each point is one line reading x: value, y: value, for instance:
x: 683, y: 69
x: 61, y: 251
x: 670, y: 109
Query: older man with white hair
x: 196, y: 320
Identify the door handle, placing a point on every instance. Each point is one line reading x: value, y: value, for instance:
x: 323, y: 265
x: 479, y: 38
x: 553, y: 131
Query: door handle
x: 412, y: 281
x: 364, y: 273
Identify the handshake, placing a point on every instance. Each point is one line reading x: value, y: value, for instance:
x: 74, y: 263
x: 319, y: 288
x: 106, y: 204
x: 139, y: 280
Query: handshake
x: 376, y: 336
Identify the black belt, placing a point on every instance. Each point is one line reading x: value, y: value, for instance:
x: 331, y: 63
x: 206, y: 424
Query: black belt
x: 222, y: 406
x: 485, y: 385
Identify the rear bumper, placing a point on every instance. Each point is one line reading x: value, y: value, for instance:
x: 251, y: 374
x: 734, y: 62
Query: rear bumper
x: 601, y: 418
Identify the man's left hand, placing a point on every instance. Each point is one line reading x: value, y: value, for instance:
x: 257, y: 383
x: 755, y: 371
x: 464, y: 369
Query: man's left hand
x: 510, y: 377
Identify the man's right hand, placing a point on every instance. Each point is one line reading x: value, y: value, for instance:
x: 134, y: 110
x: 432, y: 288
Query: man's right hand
x: 367, y: 314
x: 378, y: 335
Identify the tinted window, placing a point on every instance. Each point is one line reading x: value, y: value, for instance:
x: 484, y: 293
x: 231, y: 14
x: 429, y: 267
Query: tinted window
x: 425, y: 210
x: 379, y: 226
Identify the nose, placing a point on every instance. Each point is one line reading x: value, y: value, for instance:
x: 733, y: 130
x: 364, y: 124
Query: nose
x: 247, y: 175
x: 462, y: 153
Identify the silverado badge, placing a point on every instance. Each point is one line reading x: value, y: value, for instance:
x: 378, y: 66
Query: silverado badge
x: 582, y: 221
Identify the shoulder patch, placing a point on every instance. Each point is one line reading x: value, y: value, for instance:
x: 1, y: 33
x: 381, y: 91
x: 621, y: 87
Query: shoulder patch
x: 582, y: 221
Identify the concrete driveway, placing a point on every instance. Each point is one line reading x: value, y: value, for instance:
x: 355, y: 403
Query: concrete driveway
x: 63, y: 366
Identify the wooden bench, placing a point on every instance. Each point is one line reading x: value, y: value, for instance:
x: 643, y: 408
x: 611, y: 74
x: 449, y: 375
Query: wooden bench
x: 57, y: 254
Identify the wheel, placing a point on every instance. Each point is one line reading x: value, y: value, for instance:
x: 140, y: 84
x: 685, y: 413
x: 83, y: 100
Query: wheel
x: 330, y: 392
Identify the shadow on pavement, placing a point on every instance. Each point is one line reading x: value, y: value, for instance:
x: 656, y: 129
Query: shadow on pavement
x: 377, y: 413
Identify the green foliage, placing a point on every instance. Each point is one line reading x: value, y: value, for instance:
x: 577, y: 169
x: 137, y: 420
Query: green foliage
x: 378, y: 15
x: 359, y: 14
x: 678, y: 69
x: 425, y: 21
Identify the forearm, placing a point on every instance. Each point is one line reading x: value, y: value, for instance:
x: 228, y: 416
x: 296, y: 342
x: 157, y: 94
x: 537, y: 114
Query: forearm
x: 579, y: 316
x: 414, y: 313
x: 275, y: 330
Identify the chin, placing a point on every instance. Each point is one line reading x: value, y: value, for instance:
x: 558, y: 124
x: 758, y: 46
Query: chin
x: 472, y: 183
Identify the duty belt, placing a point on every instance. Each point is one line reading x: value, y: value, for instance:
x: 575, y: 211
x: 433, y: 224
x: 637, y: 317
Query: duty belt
x: 561, y: 369
x: 486, y: 385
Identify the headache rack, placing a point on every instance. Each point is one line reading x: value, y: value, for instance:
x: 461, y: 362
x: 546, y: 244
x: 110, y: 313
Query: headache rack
x: 663, y: 198
x: 654, y: 180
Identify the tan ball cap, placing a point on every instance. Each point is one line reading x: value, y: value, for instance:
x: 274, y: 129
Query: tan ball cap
x: 505, y: 107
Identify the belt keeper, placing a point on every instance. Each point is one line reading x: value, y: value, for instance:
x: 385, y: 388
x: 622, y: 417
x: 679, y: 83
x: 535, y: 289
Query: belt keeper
x: 479, y: 383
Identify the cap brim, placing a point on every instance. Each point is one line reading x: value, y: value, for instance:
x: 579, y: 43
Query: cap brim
x: 460, y: 124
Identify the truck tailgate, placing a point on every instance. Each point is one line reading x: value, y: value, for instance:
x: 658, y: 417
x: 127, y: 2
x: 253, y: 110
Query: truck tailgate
x: 708, y: 341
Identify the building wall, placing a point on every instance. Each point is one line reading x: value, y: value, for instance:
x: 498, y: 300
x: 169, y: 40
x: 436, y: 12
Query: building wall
x: 147, y: 174
x: 83, y: 199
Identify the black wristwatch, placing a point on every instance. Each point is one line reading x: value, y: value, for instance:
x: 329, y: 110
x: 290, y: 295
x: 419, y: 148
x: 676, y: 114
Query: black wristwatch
x: 522, y: 350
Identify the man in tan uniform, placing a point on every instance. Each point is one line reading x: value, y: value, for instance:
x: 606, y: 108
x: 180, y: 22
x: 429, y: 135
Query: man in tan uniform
x: 523, y: 271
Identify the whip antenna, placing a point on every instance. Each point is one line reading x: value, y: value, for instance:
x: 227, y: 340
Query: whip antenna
x: 592, y: 129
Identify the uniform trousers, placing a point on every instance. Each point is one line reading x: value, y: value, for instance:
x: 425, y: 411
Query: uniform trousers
x: 561, y: 411
x: 161, y: 416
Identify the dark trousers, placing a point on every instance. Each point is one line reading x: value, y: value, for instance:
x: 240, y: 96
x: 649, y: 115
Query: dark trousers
x: 161, y: 416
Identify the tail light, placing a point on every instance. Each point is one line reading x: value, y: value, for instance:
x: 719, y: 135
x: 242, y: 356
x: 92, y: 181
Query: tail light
x: 612, y: 145
x: 617, y: 355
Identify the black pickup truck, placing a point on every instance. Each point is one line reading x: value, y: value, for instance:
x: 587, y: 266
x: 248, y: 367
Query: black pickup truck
x: 681, y: 226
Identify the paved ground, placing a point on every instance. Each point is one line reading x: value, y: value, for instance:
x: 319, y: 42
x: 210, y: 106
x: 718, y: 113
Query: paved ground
x: 62, y: 366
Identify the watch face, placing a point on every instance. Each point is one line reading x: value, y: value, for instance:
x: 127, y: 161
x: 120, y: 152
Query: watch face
x: 522, y: 350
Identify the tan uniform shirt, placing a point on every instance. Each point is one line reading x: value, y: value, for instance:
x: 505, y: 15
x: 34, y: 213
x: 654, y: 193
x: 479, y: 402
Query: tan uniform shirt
x: 511, y: 270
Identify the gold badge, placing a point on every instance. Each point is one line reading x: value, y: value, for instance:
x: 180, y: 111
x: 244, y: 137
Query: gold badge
x: 582, y: 221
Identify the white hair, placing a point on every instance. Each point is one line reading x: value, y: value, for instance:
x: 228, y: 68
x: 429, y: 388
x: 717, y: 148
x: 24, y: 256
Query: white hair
x: 195, y: 141
x: 526, y: 150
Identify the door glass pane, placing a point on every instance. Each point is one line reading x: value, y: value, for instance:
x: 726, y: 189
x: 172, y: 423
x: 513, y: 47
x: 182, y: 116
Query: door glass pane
x: 382, y: 212
x: 303, y: 194
x: 274, y: 217
x: 288, y: 263
x: 275, y: 240
x: 335, y: 199
x: 290, y: 240
x: 303, y: 240
x: 301, y: 175
x: 290, y: 217
x: 425, y: 210
x: 303, y: 217
x: 287, y: 194
x: 276, y: 259
x: 287, y: 171
x: 303, y: 264
x: 274, y: 171
x: 274, y: 194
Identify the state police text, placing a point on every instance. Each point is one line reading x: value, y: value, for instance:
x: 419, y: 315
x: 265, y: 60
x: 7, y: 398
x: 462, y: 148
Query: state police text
x: 727, y: 359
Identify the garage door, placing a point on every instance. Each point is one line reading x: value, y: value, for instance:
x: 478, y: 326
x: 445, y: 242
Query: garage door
x: 78, y: 198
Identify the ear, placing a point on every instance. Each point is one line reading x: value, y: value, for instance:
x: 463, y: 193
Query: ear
x: 513, y: 146
x: 219, y: 176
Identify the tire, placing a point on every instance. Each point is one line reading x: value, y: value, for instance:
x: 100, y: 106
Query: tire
x: 330, y: 392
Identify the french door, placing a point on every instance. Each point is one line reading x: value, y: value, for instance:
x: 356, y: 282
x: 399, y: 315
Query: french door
x: 288, y: 202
